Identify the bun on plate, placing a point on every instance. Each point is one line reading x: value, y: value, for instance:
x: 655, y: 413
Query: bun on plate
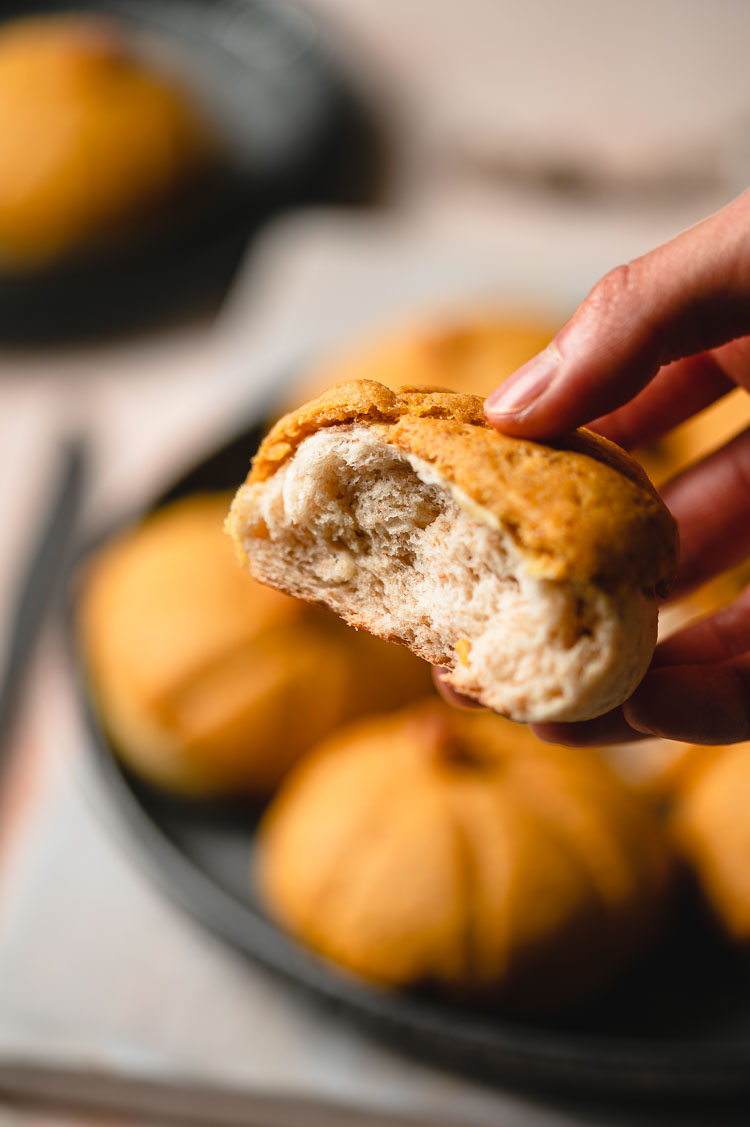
x: 711, y: 830
x: 208, y: 682
x: 455, y: 849
x: 469, y: 350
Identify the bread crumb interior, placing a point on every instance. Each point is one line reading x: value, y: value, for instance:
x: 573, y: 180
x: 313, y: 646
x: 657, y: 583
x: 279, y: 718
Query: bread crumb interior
x: 353, y: 522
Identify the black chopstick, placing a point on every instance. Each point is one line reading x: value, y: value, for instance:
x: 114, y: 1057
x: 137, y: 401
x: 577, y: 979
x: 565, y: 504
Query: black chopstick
x: 40, y: 578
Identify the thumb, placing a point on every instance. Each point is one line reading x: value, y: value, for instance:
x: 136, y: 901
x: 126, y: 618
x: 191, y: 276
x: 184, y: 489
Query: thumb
x: 688, y: 295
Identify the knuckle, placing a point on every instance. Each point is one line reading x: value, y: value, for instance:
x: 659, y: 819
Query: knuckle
x: 613, y: 291
x: 622, y: 304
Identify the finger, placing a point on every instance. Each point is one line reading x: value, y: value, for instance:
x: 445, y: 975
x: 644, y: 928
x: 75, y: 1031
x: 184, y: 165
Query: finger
x: 700, y: 704
x: 688, y: 296
x: 449, y: 695
x: 676, y: 393
x: 612, y: 728
x: 711, y: 503
x: 719, y: 637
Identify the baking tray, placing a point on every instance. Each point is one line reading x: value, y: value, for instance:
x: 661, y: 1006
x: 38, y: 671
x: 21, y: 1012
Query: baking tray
x: 676, y: 1028
x: 293, y: 132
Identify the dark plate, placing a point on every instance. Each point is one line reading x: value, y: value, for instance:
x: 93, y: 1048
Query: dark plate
x: 292, y: 130
x: 677, y: 1027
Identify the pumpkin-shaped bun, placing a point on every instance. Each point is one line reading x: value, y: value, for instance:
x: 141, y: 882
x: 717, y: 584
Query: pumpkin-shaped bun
x: 92, y: 143
x: 469, y: 352
x: 455, y: 849
x: 711, y: 827
x: 530, y: 571
x: 208, y: 682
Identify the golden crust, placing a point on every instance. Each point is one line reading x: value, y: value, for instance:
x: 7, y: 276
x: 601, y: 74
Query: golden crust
x: 580, y: 508
x: 360, y: 401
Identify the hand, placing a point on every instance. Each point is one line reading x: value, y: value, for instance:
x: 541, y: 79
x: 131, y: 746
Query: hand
x: 654, y: 343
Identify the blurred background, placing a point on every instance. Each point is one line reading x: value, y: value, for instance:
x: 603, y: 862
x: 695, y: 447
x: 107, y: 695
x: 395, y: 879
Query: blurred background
x: 208, y: 212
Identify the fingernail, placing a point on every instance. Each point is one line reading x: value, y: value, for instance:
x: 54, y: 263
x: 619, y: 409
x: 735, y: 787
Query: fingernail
x: 525, y: 386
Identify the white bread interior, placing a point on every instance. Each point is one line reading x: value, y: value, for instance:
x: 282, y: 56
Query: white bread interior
x: 356, y: 524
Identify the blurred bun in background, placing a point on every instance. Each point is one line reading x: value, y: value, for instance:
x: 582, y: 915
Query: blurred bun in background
x: 711, y: 829
x: 469, y: 352
x: 455, y: 849
x: 208, y: 682
x: 697, y: 437
x: 93, y: 144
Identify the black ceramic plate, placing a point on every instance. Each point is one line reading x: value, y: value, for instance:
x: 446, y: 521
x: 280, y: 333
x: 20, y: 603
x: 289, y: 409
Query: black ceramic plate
x: 292, y: 131
x: 679, y: 1026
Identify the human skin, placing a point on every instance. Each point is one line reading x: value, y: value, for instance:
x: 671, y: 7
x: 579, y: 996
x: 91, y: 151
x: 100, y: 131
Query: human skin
x: 655, y: 342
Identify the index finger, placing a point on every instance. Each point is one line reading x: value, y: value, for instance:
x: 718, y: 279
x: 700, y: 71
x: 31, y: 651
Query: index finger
x: 688, y: 296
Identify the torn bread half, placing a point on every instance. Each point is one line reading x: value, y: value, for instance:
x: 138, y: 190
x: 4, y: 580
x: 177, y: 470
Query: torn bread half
x: 530, y: 571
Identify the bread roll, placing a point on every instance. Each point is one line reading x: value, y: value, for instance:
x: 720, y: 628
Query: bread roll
x: 92, y: 142
x: 471, y: 351
x: 529, y: 571
x: 697, y: 437
x: 711, y: 829
x: 453, y: 848
x: 210, y: 683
